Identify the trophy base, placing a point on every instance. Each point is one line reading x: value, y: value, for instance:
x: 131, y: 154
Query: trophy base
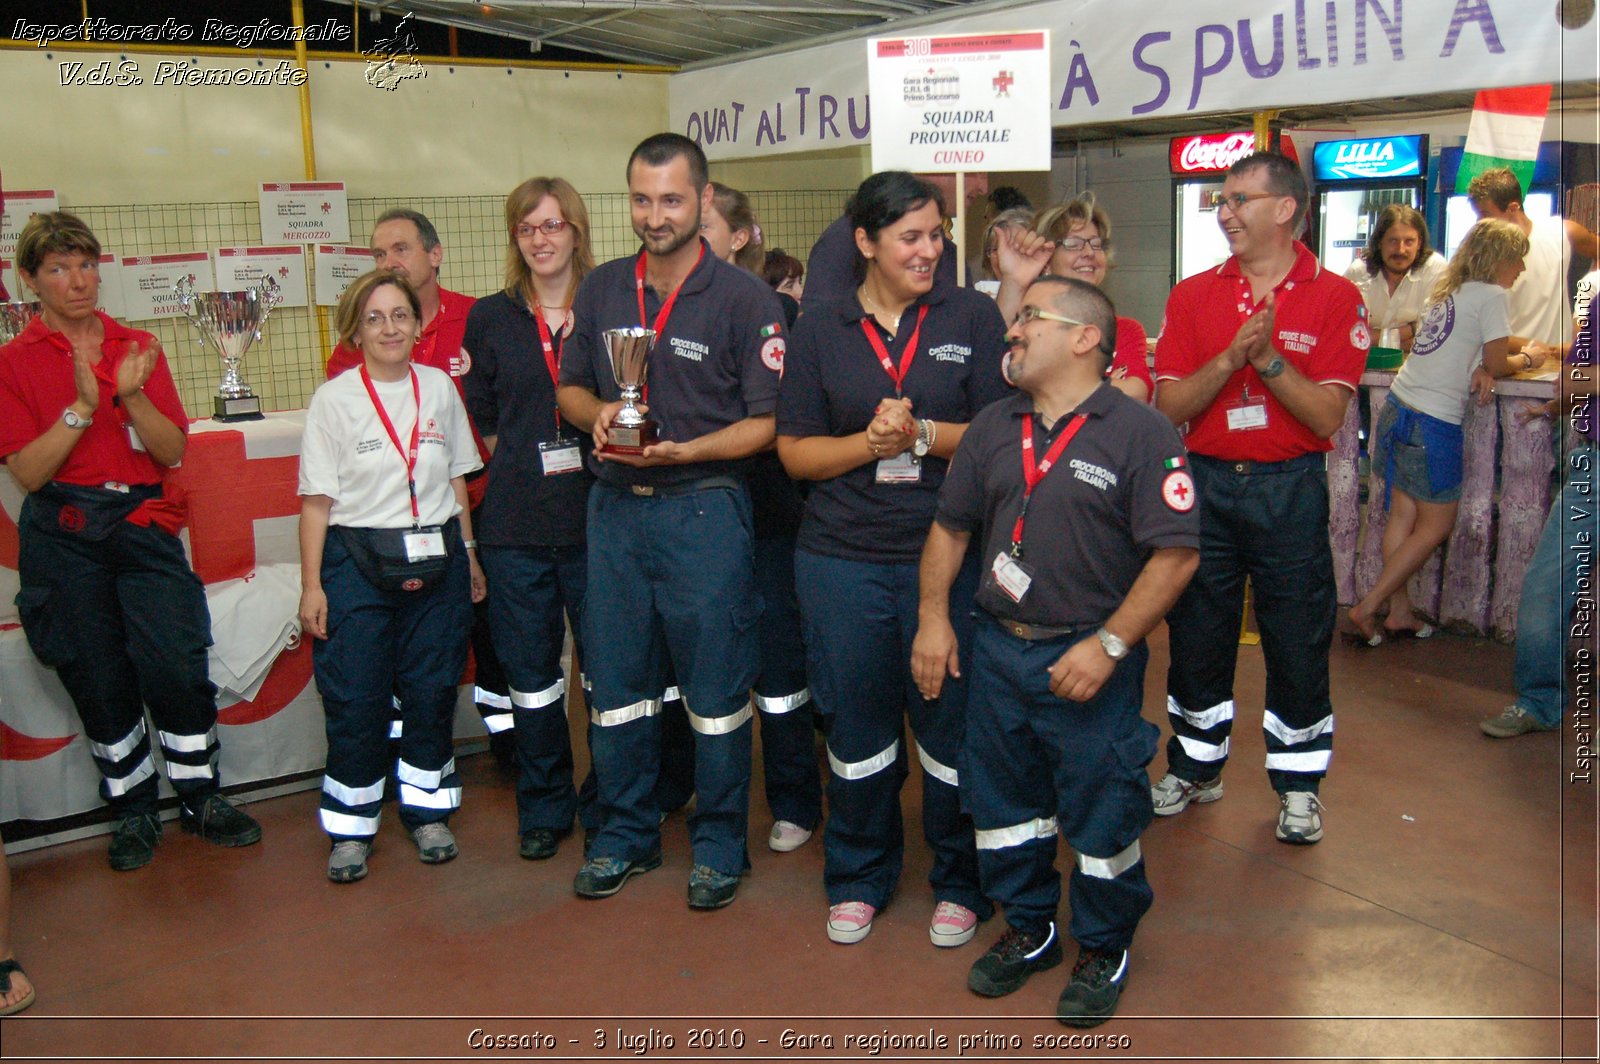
x: 631, y: 439
x: 240, y: 408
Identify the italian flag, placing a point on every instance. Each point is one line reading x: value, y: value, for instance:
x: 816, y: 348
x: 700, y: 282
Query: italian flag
x: 1505, y: 130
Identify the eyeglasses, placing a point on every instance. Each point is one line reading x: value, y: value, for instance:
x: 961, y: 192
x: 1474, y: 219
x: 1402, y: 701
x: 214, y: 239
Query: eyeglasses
x: 1078, y: 243
x: 549, y: 227
x: 1029, y: 313
x: 401, y: 316
x: 1237, y: 200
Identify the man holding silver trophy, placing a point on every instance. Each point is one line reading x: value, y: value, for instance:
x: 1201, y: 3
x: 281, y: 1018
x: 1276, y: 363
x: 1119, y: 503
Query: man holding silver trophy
x: 671, y: 585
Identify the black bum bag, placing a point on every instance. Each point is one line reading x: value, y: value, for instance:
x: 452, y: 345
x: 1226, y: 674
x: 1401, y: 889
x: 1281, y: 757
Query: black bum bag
x: 380, y: 554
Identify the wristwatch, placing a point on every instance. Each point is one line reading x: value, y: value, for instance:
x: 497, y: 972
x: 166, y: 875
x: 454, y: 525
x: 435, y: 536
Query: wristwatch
x: 73, y: 421
x: 1273, y: 368
x: 925, y: 435
x: 1115, y: 648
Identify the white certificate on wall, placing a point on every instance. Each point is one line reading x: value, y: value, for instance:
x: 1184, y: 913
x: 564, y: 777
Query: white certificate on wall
x: 337, y: 266
x: 241, y: 268
x: 111, y: 301
x: 147, y: 282
x: 972, y: 102
x: 304, y: 212
x: 22, y: 204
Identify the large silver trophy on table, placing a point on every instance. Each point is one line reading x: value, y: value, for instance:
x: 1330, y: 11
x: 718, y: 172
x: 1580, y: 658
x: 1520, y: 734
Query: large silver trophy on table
x: 14, y: 317
x: 232, y: 321
x: 629, y: 349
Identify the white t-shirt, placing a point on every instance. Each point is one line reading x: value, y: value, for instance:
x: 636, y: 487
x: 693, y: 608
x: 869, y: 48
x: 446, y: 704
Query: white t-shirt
x: 1539, y: 307
x: 1403, y: 306
x: 1436, y: 376
x: 347, y: 455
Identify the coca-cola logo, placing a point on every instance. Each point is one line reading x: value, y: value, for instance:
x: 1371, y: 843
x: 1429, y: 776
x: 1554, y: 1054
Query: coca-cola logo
x: 1210, y: 152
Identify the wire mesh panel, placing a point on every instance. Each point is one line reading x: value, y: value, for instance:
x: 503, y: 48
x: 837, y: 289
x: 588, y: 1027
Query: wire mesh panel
x: 286, y: 367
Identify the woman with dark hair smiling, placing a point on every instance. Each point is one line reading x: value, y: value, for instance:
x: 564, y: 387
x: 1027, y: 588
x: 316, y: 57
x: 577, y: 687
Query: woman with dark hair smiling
x: 531, y: 523
x: 877, y: 391
x: 388, y: 572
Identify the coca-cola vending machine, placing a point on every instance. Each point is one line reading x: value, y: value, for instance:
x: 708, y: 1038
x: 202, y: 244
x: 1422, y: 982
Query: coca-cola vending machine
x: 1199, y: 163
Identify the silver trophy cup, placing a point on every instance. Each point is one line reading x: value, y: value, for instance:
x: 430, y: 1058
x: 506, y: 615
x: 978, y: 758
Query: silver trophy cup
x: 14, y: 317
x: 232, y: 322
x: 631, y: 432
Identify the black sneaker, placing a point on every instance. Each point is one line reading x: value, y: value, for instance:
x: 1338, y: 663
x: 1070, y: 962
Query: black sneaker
x: 1011, y: 960
x: 602, y: 877
x: 134, y: 841
x: 221, y: 822
x: 539, y: 844
x: 1097, y: 982
x: 710, y: 889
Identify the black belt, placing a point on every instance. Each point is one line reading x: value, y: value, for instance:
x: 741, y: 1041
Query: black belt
x: 1035, y: 633
x: 1247, y: 469
x: 688, y: 487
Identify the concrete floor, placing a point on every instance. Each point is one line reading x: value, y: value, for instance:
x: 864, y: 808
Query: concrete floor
x: 1450, y: 913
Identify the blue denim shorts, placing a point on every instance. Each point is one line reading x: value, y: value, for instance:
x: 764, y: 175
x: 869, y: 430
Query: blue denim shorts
x: 1419, y: 454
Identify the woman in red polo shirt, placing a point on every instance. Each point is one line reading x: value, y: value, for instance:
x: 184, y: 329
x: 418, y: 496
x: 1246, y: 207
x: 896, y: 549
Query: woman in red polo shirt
x: 90, y: 422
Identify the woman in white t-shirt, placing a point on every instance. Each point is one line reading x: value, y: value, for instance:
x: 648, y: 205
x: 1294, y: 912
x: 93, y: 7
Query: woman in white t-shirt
x: 1460, y: 346
x: 389, y: 574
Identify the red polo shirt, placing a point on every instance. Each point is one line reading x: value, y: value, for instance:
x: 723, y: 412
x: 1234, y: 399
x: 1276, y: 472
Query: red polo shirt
x: 36, y: 385
x: 1320, y: 329
x: 439, y: 345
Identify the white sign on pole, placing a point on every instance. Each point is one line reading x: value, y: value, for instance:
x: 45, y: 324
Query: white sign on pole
x: 241, y: 268
x: 147, y: 282
x: 20, y: 206
x: 111, y: 301
x: 336, y: 267
x: 971, y: 102
x: 304, y: 212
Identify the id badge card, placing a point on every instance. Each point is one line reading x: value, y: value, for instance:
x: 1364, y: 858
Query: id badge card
x: 560, y: 456
x: 424, y: 543
x: 133, y: 439
x: 901, y: 469
x: 1011, y: 576
x: 1247, y: 413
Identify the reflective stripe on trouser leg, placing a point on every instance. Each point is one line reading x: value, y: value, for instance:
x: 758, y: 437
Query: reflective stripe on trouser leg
x: 789, y: 758
x: 495, y: 710
x: 123, y: 764
x: 545, y: 796
x: 1298, y: 753
x: 350, y: 811
x: 190, y: 757
x: 1203, y: 735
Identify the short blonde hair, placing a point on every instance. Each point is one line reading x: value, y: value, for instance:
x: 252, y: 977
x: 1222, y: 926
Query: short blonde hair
x: 1056, y: 222
x: 347, y: 318
x: 1489, y: 244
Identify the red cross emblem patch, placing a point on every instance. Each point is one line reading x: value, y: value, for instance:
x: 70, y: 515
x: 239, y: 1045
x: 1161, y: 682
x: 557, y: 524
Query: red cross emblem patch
x: 1177, y: 491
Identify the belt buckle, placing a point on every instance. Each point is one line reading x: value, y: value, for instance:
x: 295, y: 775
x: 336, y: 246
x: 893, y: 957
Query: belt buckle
x: 1018, y: 629
x: 643, y: 489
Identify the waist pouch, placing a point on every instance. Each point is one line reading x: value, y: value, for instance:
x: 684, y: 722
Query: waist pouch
x: 82, y: 511
x: 380, y: 554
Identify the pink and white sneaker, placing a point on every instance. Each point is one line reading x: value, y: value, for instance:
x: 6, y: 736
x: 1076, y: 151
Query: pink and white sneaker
x: 850, y: 921
x: 953, y: 925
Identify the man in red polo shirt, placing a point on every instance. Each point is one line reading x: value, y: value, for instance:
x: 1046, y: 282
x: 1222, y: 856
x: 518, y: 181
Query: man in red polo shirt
x: 405, y: 241
x: 1256, y: 364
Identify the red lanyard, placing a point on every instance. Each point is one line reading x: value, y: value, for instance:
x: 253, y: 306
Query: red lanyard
x: 1031, y: 474
x: 552, y: 356
x: 408, y: 456
x: 906, y: 357
x: 666, y: 308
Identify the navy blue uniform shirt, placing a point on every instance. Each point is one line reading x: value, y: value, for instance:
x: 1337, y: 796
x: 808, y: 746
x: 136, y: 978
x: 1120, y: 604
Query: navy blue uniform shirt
x: 832, y: 386
x: 717, y: 364
x: 510, y: 395
x: 1120, y: 490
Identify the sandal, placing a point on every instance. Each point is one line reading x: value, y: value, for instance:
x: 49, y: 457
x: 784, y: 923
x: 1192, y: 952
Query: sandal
x: 7, y: 967
x: 1423, y: 630
x: 1357, y: 638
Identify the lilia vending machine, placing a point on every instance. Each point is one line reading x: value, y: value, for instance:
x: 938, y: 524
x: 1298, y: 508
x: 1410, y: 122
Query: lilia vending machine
x: 1354, y: 181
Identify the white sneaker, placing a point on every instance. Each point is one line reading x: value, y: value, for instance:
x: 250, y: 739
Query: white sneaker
x: 1172, y: 795
x: 786, y: 836
x: 1299, y: 818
